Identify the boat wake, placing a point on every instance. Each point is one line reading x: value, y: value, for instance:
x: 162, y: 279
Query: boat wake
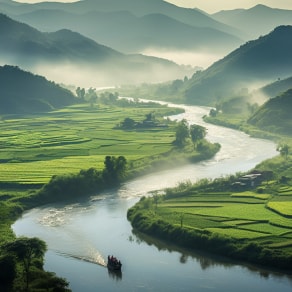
x: 93, y: 257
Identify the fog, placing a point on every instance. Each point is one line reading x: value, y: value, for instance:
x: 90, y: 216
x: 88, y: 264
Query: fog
x: 193, y: 58
x: 104, y: 75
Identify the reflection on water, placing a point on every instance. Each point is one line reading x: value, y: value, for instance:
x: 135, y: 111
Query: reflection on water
x: 115, y: 275
x: 79, y: 236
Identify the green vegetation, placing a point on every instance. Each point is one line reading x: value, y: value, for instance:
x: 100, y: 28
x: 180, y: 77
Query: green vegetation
x: 36, y: 147
x: 21, y: 267
x: 77, y: 151
x: 24, y: 92
x: 254, y: 225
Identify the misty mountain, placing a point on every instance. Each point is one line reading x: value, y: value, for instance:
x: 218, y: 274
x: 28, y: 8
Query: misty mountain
x: 255, y: 63
x: 132, y: 25
x: 65, y: 55
x: 275, y: 114
x: 23, y: 92
x: 256, y: 21
x: 30, y: 45
x: 274, y: 89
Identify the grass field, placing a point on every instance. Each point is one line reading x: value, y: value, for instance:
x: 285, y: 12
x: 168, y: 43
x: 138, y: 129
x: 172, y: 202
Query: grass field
x: 35, y: 147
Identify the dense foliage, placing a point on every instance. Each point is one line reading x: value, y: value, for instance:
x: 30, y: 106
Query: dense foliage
x: 21, y: 267
x: 23, y: 92
x: 275, y: 115
x: 84, y: 183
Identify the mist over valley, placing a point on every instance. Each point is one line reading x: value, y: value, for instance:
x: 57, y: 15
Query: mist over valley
x: 145, y: 146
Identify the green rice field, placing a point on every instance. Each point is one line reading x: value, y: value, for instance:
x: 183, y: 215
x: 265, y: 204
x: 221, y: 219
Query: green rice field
x: 245, y: 215
x: 36, y: 147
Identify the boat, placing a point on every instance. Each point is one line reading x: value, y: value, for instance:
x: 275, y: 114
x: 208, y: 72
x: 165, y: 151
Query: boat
x: 113, y: 263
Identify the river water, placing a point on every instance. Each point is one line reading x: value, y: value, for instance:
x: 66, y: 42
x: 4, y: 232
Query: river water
x: 80, y: 235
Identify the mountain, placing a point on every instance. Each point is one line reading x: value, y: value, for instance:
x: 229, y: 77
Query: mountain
x: 275, y: 114
x: 256, y: 21
x: 29, y: 44
x: 132, y: 25
x: 257, y: 62
x: 23, y: 92
x: 67, y: 56
x: 274, y: 89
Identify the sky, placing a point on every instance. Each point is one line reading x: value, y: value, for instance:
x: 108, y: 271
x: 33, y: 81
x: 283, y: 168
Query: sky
x: 211, y: 6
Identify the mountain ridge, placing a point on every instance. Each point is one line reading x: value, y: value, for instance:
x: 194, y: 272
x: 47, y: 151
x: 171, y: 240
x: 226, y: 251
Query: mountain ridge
x: 260, y: 61
x: 255, y: 21
x: 40, y: 16
x: 27, y: 47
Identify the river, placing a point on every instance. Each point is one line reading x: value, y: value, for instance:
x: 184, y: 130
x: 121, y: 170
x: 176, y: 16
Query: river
x: 80, y: 235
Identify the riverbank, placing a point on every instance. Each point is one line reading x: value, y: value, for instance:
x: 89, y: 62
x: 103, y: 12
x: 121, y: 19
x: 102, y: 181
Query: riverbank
x: 215, y: 218
x: 78, y: 224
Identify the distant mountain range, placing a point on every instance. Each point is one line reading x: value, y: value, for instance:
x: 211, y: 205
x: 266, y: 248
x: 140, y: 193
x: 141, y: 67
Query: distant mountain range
x: 22, y: 92
x: 57, y: 54
x: 257, y: 62
x: 256, y: 21
x: 131, y: 26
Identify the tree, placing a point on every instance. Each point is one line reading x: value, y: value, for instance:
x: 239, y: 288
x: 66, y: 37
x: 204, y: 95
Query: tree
x: 181, y: 219
x: 284, y: 150
x: 197, y: 133
x: 213, y: 112
x: 149, y: 117
x: 182, y: 132
x: 91, y: 95
x: 7, y: 272
x: 80, y: 92
x: 128, y: 123
x: 114, y: 168
x: 26, y: 250
x: 120, y: 167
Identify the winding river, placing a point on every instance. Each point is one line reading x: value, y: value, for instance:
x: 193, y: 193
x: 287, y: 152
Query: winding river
x: 81, y: 235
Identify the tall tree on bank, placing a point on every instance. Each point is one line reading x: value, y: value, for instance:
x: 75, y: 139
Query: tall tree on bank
x: 26, y: 250
x: 182, y: 133
x: 197, y: 132
x: 114, y: 169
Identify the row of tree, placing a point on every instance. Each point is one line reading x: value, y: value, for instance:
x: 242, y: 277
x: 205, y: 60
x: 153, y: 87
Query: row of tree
x: 84, y: 183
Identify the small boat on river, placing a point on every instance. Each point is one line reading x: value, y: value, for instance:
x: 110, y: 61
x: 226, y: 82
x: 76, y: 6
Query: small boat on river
x: 113, y: 263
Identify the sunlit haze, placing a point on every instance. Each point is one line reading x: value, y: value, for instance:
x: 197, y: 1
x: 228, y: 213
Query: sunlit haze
x: 211, y: 6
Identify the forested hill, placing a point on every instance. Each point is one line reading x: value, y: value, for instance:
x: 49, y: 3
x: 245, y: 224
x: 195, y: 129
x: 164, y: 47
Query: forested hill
x: 273, y: 89
x: 275, y: 115
x: 20, y: 42
x: 23, y: 92
x: 257, y: 62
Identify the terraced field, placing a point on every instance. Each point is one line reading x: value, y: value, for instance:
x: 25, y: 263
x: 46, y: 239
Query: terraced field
x: 246, y: 215
x: 33, y: 148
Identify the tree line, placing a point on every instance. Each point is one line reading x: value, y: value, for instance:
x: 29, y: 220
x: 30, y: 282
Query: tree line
x: 84, y: 183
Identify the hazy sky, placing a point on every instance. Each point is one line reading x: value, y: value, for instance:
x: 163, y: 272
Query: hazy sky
x: 211, y: 6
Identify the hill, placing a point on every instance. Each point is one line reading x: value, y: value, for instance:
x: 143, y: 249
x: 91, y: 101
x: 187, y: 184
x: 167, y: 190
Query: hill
x: 23, y: 92
x: 274, y: 89
x: 257, y: 62
x: 127, y: 26
x: 69, y: 57
x: 275, y: 115
x: 26, y: 43
x: 256, y: 21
